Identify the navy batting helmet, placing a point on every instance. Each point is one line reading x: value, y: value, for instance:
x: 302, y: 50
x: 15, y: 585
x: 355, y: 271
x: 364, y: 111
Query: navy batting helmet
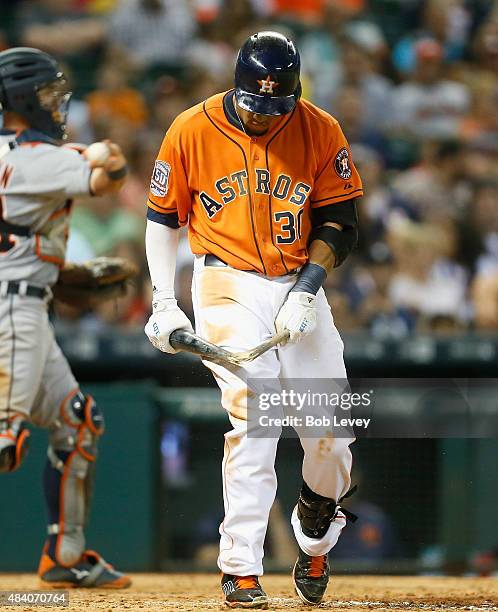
x: 33, y: 86
x: 267, y: 74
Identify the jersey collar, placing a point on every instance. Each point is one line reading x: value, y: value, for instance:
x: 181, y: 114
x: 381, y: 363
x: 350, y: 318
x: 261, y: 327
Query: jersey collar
x: 29, y: 135
x: 229, y: 108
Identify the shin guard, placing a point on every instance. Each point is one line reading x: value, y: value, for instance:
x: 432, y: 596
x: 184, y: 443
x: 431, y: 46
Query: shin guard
x: 69, y: 473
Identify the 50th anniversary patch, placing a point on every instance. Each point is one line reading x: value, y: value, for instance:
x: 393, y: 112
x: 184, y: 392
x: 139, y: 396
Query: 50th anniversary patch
x: 160, y: 179
x: 342, y: 165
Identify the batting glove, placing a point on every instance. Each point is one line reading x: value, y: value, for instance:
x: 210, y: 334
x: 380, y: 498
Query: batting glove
x: 298, y: 315
x: 166, y: 317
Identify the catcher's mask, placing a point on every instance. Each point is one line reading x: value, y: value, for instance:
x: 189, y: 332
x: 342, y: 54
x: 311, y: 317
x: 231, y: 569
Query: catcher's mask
x: 33, y: 86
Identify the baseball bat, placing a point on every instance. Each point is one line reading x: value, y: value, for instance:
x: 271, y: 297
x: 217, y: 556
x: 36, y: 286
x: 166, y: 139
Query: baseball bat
x: 186, y: 341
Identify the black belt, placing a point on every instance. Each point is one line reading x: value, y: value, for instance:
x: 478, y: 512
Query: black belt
x: 213, y: 261
x: 12, y: 228
x: 14, y: 288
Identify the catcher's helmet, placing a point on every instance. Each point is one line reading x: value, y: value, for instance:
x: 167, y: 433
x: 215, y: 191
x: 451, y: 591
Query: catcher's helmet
x: 33, y: 86
x: 267, y: 74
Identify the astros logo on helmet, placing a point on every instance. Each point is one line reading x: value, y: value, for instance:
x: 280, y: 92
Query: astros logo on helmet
x: 267, y: 85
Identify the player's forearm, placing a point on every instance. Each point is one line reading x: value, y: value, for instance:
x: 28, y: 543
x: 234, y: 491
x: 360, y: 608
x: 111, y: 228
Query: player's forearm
x: 321, y: 260
x: 161, y: 246
x: 321, y: 253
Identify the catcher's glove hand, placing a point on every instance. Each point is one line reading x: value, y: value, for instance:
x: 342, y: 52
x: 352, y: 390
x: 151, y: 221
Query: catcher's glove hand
x: 84, y: 286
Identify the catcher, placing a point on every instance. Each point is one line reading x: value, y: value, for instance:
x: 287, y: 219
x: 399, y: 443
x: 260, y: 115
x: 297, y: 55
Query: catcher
x: 38, y: 180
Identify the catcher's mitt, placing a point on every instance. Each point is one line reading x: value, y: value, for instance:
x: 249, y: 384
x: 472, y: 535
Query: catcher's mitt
x: 84, y: 286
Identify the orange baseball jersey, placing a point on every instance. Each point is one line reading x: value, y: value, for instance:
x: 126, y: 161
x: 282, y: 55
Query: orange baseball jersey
x: 248, y: 199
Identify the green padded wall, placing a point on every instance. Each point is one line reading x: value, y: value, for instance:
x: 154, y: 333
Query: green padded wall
x: 122, y: 521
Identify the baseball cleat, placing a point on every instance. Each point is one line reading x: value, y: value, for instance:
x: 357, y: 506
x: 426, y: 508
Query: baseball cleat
x: 91, y: 571
x: 311, y: 576
x: 243, y: 592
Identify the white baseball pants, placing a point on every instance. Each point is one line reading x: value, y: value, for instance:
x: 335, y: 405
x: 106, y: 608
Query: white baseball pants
x: 34, y: 374
x: 237, y: 310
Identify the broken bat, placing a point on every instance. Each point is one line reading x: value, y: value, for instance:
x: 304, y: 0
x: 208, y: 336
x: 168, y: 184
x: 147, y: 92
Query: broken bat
x: 186, y: 341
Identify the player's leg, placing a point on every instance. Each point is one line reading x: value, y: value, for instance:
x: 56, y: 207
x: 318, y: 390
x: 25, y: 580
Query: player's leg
x: 317, y: 520
x: 75, y: 424
x: 230, y: 310
x: 23, y: 348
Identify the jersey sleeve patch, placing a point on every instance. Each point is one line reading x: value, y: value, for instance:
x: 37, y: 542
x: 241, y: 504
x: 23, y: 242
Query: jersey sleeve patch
x: 160, y: 179
x: 342, y: 164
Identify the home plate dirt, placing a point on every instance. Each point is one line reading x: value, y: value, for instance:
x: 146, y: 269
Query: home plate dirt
x: 353, y: 594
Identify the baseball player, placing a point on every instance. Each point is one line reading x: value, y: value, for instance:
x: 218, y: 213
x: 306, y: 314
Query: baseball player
x: 265, y: 182
x: 38, y: 181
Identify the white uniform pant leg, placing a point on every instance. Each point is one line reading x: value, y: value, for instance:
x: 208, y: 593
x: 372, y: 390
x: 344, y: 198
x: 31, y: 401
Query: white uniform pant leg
x: 233, y: 309
x: 249, y: 487
x: 24, y: 345
x: 57, y: 382
x: 327, y: 458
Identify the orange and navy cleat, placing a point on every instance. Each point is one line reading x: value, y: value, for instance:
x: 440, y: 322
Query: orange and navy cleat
x: 91, y: 571
x: 243, y: 592
x: 311, y: 576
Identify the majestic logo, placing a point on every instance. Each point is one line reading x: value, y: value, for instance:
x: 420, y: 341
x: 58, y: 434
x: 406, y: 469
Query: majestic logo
x: 342, y: 165
x: 160, y: 179
x: 267, y: 85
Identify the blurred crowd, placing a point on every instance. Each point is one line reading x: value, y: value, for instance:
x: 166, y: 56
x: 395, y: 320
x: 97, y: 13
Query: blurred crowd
x: 413, y: 83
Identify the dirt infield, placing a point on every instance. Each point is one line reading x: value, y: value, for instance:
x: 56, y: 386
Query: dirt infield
x: 357, y: 593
